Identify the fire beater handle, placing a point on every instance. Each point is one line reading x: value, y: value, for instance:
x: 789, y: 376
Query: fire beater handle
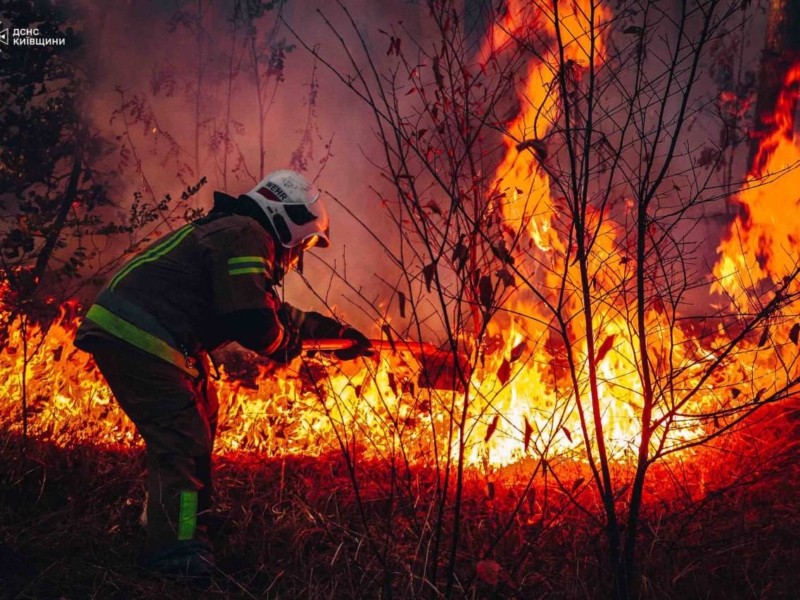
x: 331, y: 344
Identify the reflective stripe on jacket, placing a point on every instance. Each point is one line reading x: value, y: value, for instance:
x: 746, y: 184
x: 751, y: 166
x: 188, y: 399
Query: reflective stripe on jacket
x: 128, y: 322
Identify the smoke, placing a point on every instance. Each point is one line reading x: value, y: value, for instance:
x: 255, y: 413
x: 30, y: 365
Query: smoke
x: 192, y: 91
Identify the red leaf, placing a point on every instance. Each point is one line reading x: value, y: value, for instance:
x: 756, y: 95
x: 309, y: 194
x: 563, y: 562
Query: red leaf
x: 577, y: 484
x: 504, y: 372
x: 516, y: 351
x: 567, y: 433
x: 658, y: 306
x: 607, y: 344
x: 491, y: 429
x: 528, y: 433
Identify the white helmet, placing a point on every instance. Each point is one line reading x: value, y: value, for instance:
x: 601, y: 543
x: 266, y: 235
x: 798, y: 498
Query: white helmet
x: 294, y: 208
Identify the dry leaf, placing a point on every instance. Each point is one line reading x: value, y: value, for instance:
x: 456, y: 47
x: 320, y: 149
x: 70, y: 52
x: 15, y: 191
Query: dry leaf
x: 538, y: 146
x: 506, y: 277
x: 387, y: 331
x: 567, y: 433
x: 500, y: 249
x: 794, y: 334
x: 491, y: 429
x: 486, y: 292
x: 434, y: 207
x: 504, y: 372
x: 428, y: 272
x: 607, y: 344
x: 528, y: 433
x: 764, y: 338
x: 516, y: 351
x: 460, y: 254
x: 401, y: 297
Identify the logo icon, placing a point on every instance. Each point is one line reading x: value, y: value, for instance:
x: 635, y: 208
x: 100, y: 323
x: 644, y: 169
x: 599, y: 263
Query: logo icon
x: 4, y: 36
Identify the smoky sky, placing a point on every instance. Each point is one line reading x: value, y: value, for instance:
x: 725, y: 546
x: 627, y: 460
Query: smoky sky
x: 188, y: 74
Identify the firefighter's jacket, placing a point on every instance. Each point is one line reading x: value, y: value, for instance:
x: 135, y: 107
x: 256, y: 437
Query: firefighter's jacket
x: 174, y: 299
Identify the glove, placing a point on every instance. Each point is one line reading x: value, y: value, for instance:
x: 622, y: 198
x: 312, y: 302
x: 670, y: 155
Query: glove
x: 360, y: 347
x: 291, y: 344
x: 314, y: 326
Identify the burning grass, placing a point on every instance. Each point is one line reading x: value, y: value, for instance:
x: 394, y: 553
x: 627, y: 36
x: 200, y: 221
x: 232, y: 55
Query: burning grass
x: 328, y: 487
x: 297, y: 527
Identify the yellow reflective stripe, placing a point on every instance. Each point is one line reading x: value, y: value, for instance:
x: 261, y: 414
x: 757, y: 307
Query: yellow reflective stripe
x: 248, y: 271
x: 187, y: 517
x: 138, y: 337
x: 153, y: 254
x: 237, y: 260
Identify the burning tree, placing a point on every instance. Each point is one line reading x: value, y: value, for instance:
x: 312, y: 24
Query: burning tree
x: 549, y: 195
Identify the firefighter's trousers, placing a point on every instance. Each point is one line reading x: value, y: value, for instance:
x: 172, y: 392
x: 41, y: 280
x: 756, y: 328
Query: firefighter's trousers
x: 177, y: 417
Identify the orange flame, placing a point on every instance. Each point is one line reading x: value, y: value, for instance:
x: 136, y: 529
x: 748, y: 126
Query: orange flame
x: 762, y: 242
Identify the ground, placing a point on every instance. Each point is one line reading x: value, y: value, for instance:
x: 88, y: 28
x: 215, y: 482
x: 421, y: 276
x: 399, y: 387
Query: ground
x: 295, y: 528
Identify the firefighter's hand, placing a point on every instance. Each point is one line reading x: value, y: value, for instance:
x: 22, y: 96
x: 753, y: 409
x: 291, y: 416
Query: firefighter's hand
x: 291, y: 344
x: 360, y: 347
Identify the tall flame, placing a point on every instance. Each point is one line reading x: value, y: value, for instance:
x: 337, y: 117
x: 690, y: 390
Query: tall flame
x: 762, y: 242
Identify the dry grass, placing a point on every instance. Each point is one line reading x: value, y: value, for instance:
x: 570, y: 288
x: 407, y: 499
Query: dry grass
x: 295, y: 528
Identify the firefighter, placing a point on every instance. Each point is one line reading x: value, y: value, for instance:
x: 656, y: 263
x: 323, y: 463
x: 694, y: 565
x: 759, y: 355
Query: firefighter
x: 210, y: 282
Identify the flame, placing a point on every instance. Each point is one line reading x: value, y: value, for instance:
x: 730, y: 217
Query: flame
x: 762, y: 242
x: 521, y: 400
